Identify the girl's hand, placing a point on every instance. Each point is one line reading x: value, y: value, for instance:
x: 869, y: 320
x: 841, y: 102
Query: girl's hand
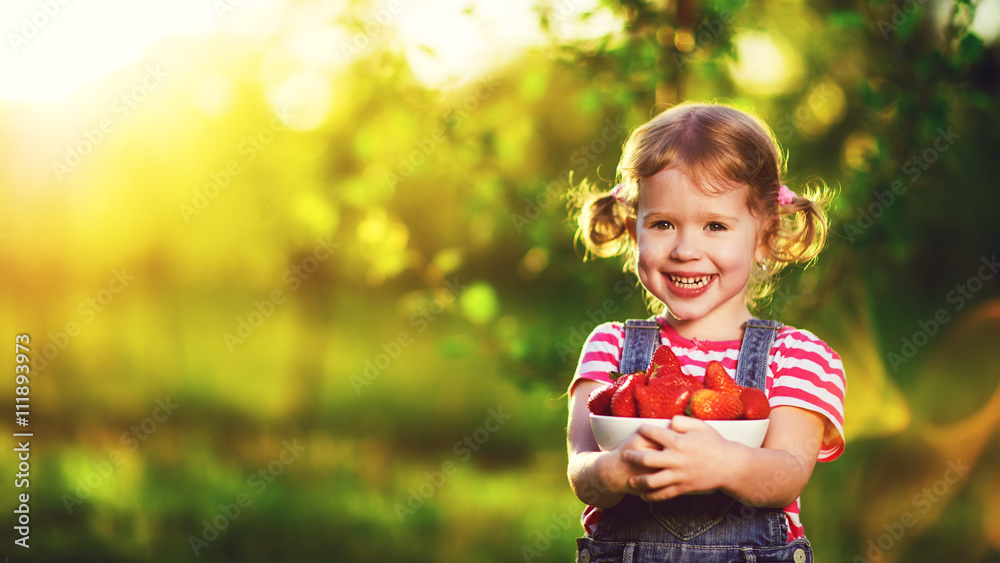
x: 690, y: 456
x: 620, y: 470
x: 599, y: 478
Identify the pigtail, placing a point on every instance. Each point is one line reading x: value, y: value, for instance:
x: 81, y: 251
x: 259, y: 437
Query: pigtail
x: 799, y: 231
x: 796, y: 234
x: 601, y: 221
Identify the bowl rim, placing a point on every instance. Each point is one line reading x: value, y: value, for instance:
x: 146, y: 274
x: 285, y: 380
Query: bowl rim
x: 611, y: 416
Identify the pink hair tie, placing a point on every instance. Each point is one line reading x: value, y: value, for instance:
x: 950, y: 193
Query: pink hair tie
x: 616, y: 193
x: 785, y: 196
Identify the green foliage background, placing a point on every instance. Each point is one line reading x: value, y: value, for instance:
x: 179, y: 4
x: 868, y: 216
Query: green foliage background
x: 396, y: 290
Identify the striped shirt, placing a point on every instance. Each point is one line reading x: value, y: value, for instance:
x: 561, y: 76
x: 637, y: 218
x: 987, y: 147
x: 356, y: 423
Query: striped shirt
x: 803, y: 372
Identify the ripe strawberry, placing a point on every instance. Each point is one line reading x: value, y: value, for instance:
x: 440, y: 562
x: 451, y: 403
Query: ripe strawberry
x: 664, y: 363
x: 640, y: 377
x: 717, y: 378
x: 688, y: 381
x: 755, y: 406
x: 662, y: 398
x: 599, y: 401
x: 710, y: 404
x: 623, y: 401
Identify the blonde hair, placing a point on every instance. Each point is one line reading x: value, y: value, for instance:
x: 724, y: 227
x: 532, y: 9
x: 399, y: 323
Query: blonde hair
x: 723, y: 148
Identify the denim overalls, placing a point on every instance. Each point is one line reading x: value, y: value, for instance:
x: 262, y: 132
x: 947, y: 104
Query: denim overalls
x: 704, y: 528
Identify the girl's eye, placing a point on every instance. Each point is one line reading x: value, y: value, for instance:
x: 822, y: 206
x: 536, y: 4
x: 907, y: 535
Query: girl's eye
x: 662, y: 225
x: 715, y: 227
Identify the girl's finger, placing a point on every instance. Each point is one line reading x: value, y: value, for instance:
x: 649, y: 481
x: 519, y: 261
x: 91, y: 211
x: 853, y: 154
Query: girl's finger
x: 662, y: 436
x: 651, y: 482
x: 663, y: 493
x: 655, y: 459
x: 682, y: 423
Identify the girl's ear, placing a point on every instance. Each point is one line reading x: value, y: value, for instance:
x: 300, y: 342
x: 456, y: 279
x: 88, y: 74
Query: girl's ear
x: 630, y: 225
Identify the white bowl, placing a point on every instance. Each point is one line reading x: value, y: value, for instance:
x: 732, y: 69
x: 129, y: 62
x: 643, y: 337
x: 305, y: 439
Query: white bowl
x: 611, y: 430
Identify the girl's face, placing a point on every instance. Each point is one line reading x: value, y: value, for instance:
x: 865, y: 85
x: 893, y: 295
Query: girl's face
x: 695, y: 253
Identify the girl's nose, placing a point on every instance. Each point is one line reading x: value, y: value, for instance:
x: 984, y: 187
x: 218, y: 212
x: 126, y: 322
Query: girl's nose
x: 685, y: 248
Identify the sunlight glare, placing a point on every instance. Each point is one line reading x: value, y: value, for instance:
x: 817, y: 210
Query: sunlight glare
x: 54, y: 50
x: 302, y: 99
x: 445, y: 45
x: 985, y: 24
x: 765, y: 64
x: 583, y: 19
x: 987, y: 21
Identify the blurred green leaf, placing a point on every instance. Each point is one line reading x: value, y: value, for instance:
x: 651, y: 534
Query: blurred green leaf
x: 479, y: 303
x: 847, y: 19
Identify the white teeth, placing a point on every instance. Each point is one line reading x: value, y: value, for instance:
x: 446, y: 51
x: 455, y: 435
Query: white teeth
x: 691, y: 282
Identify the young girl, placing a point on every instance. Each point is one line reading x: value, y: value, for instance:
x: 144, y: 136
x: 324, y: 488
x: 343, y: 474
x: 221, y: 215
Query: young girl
x: 705, y: 221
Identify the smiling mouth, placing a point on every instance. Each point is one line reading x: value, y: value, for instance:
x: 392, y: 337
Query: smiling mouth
x: 690, y: 283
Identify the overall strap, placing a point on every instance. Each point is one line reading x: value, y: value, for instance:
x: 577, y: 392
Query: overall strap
x: 751, y: 367
x: 641, y: 339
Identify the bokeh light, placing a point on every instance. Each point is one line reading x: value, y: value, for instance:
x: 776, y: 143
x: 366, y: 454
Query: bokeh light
x: 766, y: 64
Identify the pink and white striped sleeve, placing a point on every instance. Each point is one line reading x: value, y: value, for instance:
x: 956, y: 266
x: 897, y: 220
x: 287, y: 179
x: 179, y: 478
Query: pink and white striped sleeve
x: 809, y: 375
x: 601, y: 353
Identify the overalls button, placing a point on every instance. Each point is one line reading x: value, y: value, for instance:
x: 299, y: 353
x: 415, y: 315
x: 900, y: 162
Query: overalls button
x: 799, y: 556
x: 585, y: 556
